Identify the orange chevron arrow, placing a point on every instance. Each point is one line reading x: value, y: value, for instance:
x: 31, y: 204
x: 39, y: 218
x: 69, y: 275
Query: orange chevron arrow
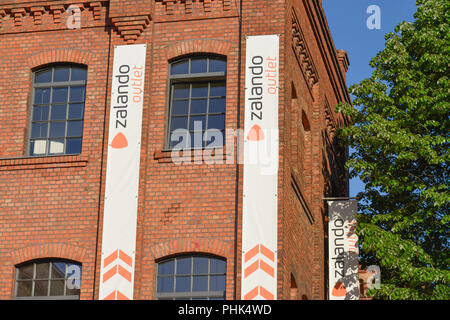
x: 252, y: 294
x: 263, y: 292
x: 259, y: 248
x: 116, y: 295
x: 117, y: 269
x: 259, y: 264
x: 266, y: 294
x: 267, y: 252
x: 250, y: 269
x: 118, y: 254
x: 251, y: 253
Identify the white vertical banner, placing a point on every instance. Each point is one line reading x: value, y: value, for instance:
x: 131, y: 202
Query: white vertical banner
x: 122, y: 173
x: 343, y: 250
x: 260, y: 185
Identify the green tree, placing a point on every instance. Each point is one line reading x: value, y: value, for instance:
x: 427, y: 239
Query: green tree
x: 400, y: 134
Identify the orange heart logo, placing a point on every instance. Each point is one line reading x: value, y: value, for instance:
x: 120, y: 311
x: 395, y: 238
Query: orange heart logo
x: 255, y: 133
x: 339, y: 290
x: 119, y: 141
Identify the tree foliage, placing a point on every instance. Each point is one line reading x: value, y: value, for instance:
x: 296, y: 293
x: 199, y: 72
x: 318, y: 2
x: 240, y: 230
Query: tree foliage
x: 400, y: 134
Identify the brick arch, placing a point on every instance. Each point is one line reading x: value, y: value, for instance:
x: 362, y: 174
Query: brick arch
x: 51, y: 250
x: 59, y: 55
x: 186, y: 245
x: 198, y: 46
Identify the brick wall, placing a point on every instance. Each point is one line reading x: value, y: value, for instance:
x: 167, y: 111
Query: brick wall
x: 53, y: 206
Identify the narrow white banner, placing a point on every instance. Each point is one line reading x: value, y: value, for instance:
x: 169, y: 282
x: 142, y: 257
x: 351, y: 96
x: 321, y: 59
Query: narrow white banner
x: 343, y: 250
x: 260, y: 185
x: 122, y: 173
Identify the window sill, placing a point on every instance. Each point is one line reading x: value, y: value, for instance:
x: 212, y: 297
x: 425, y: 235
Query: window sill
x: 31, y: 163
x: 196, y: 155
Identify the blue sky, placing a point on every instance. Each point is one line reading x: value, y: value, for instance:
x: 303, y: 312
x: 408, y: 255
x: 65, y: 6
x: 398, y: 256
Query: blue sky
x: 347, y: 21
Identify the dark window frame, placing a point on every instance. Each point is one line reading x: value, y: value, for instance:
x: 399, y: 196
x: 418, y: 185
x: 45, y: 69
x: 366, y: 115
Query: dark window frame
x: 194, y: 78
x: 188, y: 295
x: 34, y: 278
x: 51, y: 85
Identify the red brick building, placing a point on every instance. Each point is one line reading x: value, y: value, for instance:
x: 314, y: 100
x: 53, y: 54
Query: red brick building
x: 54, y: 146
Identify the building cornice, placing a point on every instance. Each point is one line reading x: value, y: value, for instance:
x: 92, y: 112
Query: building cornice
x: 327, y: 49
x: 303, y: 54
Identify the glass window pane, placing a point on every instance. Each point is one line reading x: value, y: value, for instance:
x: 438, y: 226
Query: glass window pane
x: 41, y: 288
x: 216, y: 122
x: 42, y: 270
x: 43, y: 76
x: 218, y: 266
x: 165, y: 284
x: 76, y: 110
x: 73, y: 146
x: 200, y: 283
x: 180, y: 107
x: 181, y: 67
x: 56, y: 146
x: 216, y: 65
x: 59, y: 95
x: 61, y: 74
x: 217, y: 283
x: 218, y: 90
x: 196, y: 139
x: 40, y: 113
x: 59, y: 112
x: 181, y: 91
x: 178, y: 123
x: 183, y: 284
x: 179, y: 140
x: 77, y: 94
x: 58, y: 270
x: 38, y: 147
x: 57, y: 129
x: 42, y: 96
x: 24, y: 288
x: 25, y: 272
x: 57, y: 287
x: 79, y: 74
x: 183, y: 265
x: 199, y: 90
x: 214, y: 138
x: 74, y: 128
x: 217, y: 105
x: 201, y: 265
x: 197, y: 123
x: 73, y: 282
x: 73, y: 271
x: 39, y: 130
x: 199, y: 65
x: 73, y: 290
x: 166, y: 268
x: 199, y: 106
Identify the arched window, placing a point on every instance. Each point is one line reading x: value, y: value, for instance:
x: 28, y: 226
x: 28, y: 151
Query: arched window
x: 191, y: 277
x: 48, y: 279
x: 57, y: 110
x: 197, y: 102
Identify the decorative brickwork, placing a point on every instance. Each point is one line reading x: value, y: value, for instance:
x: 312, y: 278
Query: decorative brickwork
x: 53, y: 250
x: 206, y: 6
x: 302, y: 52
x: 59, y: 55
